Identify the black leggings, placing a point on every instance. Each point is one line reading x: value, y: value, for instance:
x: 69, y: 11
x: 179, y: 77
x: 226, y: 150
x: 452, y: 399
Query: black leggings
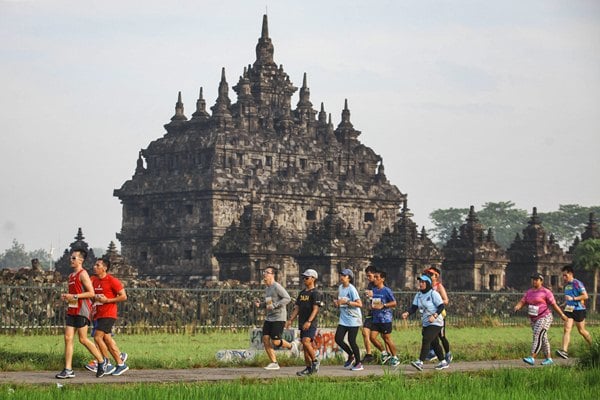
x: 352, y: 331
x: 431, y: 340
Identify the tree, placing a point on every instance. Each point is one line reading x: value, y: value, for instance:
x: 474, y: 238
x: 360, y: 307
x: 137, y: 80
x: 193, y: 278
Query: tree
x: 15, y: 257
x: 504, y: 219
x: 587, y: 256
x: 568, y: 222
x: 444, y: 220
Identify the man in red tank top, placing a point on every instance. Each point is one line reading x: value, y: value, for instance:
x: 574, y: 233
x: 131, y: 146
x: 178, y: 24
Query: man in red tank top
x: 78, y: 315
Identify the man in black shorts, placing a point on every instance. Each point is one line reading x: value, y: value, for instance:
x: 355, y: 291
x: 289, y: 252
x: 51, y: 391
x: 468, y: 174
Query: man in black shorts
x: 276, y: 301
x: 575, y: 297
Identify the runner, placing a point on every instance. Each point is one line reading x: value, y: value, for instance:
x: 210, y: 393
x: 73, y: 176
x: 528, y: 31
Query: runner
x: 306, y: 309
x: 538, y: 299
x: 349, y: 304
x: 575, y: 297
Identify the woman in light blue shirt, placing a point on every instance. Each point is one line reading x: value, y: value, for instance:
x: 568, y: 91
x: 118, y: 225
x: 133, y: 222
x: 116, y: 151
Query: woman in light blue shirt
x: 349, y: 304
x: 430, y: 304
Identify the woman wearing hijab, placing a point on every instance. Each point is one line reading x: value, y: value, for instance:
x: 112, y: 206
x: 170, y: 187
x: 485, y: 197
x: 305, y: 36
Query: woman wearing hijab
x: 430, y: 304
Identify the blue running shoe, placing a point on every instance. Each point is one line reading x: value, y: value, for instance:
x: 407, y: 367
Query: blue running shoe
x: 120, y: 369
x: 529, y: 360
x: 548, y: 361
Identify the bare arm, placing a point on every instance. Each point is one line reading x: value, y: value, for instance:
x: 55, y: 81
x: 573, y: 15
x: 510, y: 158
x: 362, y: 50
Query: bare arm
x: 442, y: 291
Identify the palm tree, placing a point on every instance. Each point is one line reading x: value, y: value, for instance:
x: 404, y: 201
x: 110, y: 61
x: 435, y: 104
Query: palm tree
x: 587, y: 256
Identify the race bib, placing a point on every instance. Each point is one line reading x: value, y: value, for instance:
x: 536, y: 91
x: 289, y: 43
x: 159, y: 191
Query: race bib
x: 569, y: 308
x: 533, y: 310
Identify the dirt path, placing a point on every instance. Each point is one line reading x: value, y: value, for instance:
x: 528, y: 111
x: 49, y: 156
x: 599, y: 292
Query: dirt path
x: 219, y: 374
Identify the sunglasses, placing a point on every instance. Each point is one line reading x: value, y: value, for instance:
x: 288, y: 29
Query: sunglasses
x: 74, y: 258
x: 307, y: 277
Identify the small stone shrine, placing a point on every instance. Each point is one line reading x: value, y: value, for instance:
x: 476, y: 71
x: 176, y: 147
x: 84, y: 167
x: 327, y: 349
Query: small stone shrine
x: 473, y: 260
x: 404, y: 253
x: 63, y: 265
x: 535, y: 252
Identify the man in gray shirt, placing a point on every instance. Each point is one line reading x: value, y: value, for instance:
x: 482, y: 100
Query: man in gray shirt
x: 276, y: 300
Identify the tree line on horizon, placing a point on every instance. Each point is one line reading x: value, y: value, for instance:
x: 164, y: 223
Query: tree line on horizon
x: 506, y: 221
x: 502, y: 217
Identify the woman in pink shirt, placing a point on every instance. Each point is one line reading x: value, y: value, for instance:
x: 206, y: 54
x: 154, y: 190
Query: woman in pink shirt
x: 538, y: 299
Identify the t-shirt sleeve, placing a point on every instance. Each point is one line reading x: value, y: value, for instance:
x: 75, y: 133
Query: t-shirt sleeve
x: 353, y: 294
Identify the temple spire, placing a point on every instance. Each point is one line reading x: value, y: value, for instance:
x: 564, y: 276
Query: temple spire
x: 200, y: 108
x: 264, y: 48
x: 179, y: 116
x: 265, y: 27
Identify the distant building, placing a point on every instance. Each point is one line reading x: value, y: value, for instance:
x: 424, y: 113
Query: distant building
x: 473, y: 261
x: 63, y: 265
x: 256, y: 182
x: 535, y: 252
x: 404, y: 252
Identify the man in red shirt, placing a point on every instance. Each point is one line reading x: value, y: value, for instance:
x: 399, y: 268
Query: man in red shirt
x: 109, y: 291
x: 78, y: 315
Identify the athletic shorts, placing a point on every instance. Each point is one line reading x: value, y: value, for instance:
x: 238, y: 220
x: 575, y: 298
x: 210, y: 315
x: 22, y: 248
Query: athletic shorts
x: 576, y: 315
x: 273, y: 329
x: 309, y: 333
x: 382, y: 327
x: 105, y: 324
x: 368, y: 324
x: 77, y: 321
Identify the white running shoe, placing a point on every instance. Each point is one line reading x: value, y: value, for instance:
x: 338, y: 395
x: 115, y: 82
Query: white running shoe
x: 272, y: 366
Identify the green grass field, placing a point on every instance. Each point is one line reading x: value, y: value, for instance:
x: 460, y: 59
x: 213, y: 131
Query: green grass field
x: 45, y: 352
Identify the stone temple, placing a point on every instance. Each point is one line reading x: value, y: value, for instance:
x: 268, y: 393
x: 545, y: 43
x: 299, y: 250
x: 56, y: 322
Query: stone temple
x: 256, y: 182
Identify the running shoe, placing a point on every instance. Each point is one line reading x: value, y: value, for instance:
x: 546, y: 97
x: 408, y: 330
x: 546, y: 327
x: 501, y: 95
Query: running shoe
x: 294, y: 349
x: 417, y: 364
x: 431, y: 356
x: 272, y: 366
x: 109, y: 369
x: 442, y: 365
x: 548, y: 361
x: 563, y: 354
x: 101, y: 366
x: 529, y: 360
x: 65, y: 374
x: 385, y: 357
x: 394, y: 362
x: 305, y: 372
x: 358, y: 367
x: 92, y: 366
x: 449, y: 357
x: 349, y: 362
x: 120, y: 369
x: 315, y: 366
x: 368, y: 358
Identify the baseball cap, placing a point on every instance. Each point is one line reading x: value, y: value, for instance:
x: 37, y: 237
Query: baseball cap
x: 537, y: 275
x: 424, y: 278
x: 347, y: 272
x: 311, y: 273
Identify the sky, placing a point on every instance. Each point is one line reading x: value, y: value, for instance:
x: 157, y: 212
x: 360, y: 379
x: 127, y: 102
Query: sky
x: 467, y: 102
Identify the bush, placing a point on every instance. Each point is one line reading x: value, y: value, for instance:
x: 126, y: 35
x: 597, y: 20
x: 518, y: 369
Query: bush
x: 591, y: 357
